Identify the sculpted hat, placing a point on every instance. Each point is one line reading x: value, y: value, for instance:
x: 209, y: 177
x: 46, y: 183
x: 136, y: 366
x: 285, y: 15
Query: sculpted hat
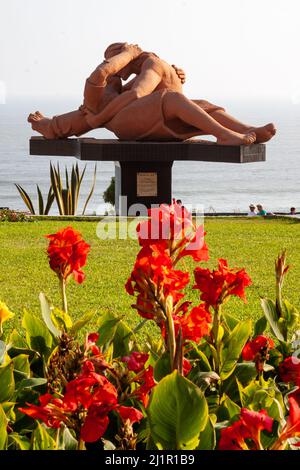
x: 113, y: 49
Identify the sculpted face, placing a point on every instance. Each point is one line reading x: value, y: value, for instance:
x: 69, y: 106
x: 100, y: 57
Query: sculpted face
x: 115, y: 49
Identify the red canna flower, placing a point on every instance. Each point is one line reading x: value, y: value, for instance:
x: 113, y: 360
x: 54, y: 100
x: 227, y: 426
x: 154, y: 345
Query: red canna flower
x: 167, y: 222
x: 52, y: 411
x: 172, y: 226
x: 289, y: 370
x: 219, y: 284
x: 233, y: 437
x: 146, y: 379
x: 255, y: 422
x: 153, y: 279
x: 258, y: 345
x: 195, y: 324
x: 130, y: 413
x: 136, y: 361
x: 67, y: 252
x: 195, y: 247
x: 90, y: 396
x: 90, y: 344
x: 90, y: 388
x: 244, y: 434
x: 96, y: 423
x: 292, y: 428
x: 186, y: 366
x: 295, y: 394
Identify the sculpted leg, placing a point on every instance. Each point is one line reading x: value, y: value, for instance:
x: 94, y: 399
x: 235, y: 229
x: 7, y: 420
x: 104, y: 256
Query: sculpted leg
x: 176, y: 105
x: 41, y: 124
x: 62, y: 126
x: 263, y: 134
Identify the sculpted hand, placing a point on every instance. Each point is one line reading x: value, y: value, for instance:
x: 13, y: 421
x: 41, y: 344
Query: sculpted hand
x: 180, y: 73
x: 133, y: 49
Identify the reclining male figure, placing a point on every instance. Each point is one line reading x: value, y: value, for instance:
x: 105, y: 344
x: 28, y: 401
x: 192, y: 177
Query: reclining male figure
x: 151, y: 106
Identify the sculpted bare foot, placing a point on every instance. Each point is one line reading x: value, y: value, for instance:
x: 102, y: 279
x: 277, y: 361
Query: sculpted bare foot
x: 234, y: 138
x: 41, y: 124
x: 264, y: 133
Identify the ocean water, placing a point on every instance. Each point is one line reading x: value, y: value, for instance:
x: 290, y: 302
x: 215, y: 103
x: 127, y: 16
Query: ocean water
x: 217, y: 187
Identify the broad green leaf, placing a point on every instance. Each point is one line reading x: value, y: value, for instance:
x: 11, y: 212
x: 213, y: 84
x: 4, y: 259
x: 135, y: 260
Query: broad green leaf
x: 8, y: 406
x: 244, y: 372
x: 9, y: 410
x: 266, y: 400
x: 18, y: 441
x: 84, y: 320
x: 263, y: 395
x: 232, y: 348
x: 114, y: 330
x: 66, y: 440
x: 17, y: 345
x: 7, y: 382
x: 201, y: 358
x: 21, y: 364
x: 31, y: 383
x: 123, y: 337
x: 260, y: 326
x: 230, y: 321
x: 37, y: 334
x: 291, y: 314
x: 17, y: 341
x: 41, y: 439
x: 47, y: 309
x: 277, y: 326
x: 108, y: 445
x: 162, y: 367
x: 107, y: 328
x: 3, y: 428
x: 61, y: 319
x: 177, y: 413
x: 2, y: 352
x: 228, y: 409
x: 208, y: 436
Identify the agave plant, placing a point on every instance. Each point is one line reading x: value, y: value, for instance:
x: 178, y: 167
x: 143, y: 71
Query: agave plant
x: 67, y: 198
x: 43, y: 207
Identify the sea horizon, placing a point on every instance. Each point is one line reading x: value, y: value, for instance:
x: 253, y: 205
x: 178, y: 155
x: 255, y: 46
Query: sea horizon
x: 217, y: 187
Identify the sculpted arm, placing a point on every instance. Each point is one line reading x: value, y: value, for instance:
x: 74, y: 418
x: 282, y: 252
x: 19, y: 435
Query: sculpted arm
x: 143, y: 85
x: 114, y: 64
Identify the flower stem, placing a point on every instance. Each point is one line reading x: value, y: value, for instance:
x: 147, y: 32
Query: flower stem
x: 170, y: 331
x: 81, y: 445
x: 215, y: 331
x: 64, y: 295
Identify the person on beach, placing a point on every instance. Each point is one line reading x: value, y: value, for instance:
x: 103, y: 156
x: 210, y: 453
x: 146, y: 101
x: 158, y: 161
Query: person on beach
x: 252, y: 212
x: 151, y: 106
x: 293, y: 211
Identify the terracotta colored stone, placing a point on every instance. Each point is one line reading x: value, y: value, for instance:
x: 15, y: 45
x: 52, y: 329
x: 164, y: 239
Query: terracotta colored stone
x: 151, y: 106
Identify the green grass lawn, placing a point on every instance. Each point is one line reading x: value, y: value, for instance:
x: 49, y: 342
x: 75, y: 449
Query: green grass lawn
x: 248, y: 243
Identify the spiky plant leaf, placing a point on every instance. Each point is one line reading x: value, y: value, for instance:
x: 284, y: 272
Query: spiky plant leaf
x: 91, y: 191
x: 25, y: 198
x: 40, y: 200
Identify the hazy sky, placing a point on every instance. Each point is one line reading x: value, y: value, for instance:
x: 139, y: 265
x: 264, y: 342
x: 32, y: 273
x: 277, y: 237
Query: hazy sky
x: 231, y: 48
